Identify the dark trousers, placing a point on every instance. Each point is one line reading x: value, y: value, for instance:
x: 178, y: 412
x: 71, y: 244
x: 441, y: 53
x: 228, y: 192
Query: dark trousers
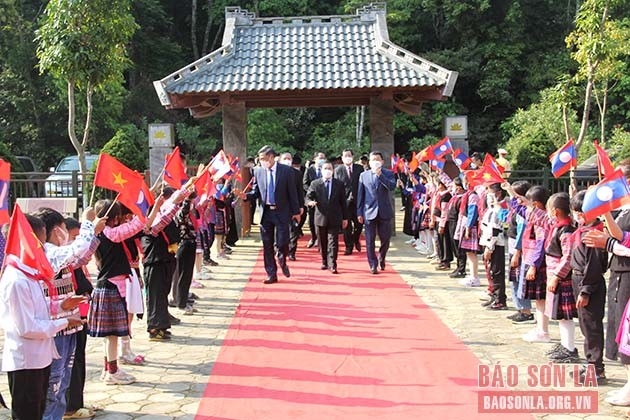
x: 158, y: 277
x: 294, y: 233
x: 28, y: 389
x: 204, y: 235
x: 445, y: 240
x: 274, y: 231
x: 328, y: 245
x: 618, y: 295
x: 460, y: 256
x: 382, y: 228
x: 74, y: 396
x: 185, y: 265
x: 592, y: 325
x: 311, y: 223
x: 497, y: 274
x: 352, y: 232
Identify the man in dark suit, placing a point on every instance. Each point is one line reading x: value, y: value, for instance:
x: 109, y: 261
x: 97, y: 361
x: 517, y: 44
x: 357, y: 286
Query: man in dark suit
x: 312, y: 173
x: 328, y: 197
x: 275, y: 186
x: 349, y: 173
x: 295, y: 229
x: 375, y: 210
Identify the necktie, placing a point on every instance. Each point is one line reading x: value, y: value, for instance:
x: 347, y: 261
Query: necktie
x: 328, y: 189
x: 319, y: 173
x: 271, y: 189
x: 349, y: 171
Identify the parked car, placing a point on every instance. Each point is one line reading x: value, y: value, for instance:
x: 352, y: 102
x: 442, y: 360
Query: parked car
x: 59, y: 183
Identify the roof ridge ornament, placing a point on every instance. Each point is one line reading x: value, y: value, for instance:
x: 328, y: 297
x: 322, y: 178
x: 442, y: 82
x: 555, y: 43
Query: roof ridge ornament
x: 372, y: 9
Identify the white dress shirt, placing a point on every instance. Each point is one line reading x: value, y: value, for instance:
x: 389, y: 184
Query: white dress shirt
x: 28, y: 329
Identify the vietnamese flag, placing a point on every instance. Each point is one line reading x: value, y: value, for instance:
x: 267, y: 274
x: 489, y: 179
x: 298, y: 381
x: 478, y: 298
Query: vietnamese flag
x: 5, y: 180
x: 137, y: 197
x: 426, y: 154
x: 604, y: 165
x: 24, y: 245
x: 174, y: 170
x: 563, y: 159
x: 611, y: 193
x: 113, y: 175
x: 442, y: 148
x: 201, y: 184
x: 483, y: 176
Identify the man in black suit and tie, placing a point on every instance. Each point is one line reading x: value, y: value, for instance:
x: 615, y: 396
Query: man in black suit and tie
x: 375, y: 210
x: 327, y: 196
x: 349, y: 173
x: 276, y: 189
x: 312, y: 173
x: 294, y: 232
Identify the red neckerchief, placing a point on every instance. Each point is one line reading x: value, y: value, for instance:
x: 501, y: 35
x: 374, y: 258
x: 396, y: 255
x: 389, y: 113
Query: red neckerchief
x: 557, y: 225
x: 37, y: 276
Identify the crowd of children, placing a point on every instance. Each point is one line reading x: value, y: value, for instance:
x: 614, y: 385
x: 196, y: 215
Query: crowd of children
x: 541, y: 244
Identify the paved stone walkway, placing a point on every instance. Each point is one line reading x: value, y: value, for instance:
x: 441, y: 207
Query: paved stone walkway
x: 172, y: 381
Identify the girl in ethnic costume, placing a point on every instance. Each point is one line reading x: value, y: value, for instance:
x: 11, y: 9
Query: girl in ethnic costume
x: 533, y: 275
x: 468, y: 222
x: 108, y: 316
x: 561, y: 302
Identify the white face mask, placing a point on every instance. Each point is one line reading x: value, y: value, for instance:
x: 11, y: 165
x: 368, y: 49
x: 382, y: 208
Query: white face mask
x: 347, y: 160
x: 375, y: 164
x: 327, y: 173
x: 320, y: 162
x: 287, y: 162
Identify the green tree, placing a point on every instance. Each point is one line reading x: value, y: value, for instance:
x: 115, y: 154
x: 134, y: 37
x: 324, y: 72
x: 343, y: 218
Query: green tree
x: 126, y: 147
x: 533, y: 134
x: 266, y: 126
x: 83, y: 45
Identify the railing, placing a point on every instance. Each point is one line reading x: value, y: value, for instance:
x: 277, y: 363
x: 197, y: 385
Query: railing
x: 544, y: 178
x: 36, y: 185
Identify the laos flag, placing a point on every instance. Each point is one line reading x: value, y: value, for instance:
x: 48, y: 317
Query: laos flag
x: 610, y: 194
x: 563, y: 159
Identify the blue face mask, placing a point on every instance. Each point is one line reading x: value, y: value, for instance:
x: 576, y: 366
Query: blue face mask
x: 320, y: 162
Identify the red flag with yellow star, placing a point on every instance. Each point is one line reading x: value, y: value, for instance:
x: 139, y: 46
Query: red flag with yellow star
x: 174, y: 169
x: 23, y: 244
x: 113, y: 175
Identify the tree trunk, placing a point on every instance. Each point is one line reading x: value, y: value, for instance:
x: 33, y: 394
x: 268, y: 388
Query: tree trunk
x: 193, y: 29
x: 360, y: 124
x: 206, y: 33
x: 565, y: 121
x: 585, y: 114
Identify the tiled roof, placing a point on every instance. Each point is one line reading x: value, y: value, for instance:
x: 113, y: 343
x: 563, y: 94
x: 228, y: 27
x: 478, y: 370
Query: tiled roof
x: 287, y: 54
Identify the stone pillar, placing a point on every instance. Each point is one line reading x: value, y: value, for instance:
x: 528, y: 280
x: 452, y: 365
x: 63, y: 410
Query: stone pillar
x: 235, y: 143
x: 382, y: 134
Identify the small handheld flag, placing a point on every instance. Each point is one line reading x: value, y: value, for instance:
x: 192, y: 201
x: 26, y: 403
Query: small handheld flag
x: 563, y: 159
x: 610, y: 194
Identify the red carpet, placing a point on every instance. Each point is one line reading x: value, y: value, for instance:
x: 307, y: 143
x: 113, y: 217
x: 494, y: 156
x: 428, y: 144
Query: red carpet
x: 348, y: 346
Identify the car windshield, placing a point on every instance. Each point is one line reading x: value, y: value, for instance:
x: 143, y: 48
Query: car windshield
x: 71, y: 163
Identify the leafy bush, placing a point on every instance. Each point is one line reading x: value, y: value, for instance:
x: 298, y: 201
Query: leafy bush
x: 126, y: 146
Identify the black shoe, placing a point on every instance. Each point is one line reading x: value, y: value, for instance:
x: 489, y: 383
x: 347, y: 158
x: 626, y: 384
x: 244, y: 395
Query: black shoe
x: 271, y: 280
x: 489, y: 302
x: 563, y: 355
x: 159, y: 335
x: 457, y: 275
x: 513, y: 316
x: 373, y: 270
x: 285, y: 270
x: 357, y: 246
x: 381, y: 263
x: 333, y: 269
x: 311, y: 244
x: 213, y: 263
x: 174, y: 321
x: 324, y: 266
x: 599, y: 376
x: 555, y: 349
x: 443, y: 267
x: 496, y: 306
x: 522, y: 318
x: 348, y: 252
x: 193, y: 296
x: 291, y: 257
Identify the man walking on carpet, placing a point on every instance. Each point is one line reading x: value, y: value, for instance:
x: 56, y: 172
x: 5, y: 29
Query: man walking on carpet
x: 328, y: 197
x: 375, y: 209
x: 349, y: 173
x: 276, y: 188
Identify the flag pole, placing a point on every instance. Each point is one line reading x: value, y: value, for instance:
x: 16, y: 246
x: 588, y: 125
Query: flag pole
x: 159, y: 178
x: 112, y: 205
